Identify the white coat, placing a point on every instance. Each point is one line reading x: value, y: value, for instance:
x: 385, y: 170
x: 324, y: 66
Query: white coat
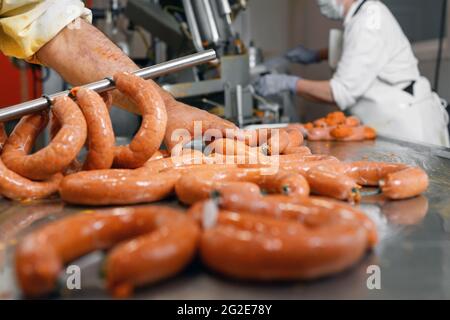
x: 376, y: 64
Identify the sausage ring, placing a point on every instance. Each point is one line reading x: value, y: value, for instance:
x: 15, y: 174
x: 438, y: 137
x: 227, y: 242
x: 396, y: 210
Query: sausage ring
x: 303, y: 242
x: 55, y: 157
x: 148, y: 244
x: 198, y: 185
x: 101, y: 139
x: 154, y: 120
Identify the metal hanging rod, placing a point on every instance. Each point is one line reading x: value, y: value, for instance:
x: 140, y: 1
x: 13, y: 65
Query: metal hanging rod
x: 19, y: 110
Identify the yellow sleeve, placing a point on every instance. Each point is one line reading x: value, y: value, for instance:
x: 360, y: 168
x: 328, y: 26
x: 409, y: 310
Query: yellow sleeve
x: 27, y: 25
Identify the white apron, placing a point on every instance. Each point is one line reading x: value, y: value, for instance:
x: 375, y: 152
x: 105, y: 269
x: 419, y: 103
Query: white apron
x: 394, y: 112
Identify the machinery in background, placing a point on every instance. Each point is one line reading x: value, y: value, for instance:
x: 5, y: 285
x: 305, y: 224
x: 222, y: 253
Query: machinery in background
x: 223, y: 87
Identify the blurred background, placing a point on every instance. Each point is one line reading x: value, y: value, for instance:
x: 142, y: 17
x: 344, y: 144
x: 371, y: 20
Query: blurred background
x: 152, y: 31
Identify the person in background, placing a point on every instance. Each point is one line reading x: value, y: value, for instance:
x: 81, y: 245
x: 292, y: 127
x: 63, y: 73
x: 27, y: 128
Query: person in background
x: 377, y: 77
x: 58, y: 34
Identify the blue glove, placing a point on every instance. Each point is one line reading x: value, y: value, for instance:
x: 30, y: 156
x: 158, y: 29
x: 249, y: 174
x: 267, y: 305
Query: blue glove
x: 276, y: 83
x: 303, y: 55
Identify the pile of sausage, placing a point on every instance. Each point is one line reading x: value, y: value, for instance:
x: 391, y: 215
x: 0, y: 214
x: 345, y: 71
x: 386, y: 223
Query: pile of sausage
x: 336, y: 127
x: 251, y: 215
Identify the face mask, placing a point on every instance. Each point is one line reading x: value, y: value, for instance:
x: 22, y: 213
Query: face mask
x: 331, y: 9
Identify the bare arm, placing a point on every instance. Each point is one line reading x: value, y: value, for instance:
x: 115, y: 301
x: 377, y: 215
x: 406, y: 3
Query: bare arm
x: 82, y: 55
x: 318, y: 91
x: 85, y: 55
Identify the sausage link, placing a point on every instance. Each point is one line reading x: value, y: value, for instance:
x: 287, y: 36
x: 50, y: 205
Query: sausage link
x: 299, y: 127
x: 302, y: 150
x: 397, y: 180
x: 404, y: 184
x: 368, y: 173
x: 154, y: 120
x: 349, y: 133
x: 335, y: 118
x: 295, y: 138
x: 61, y: 151
x: 117, y: 187
x: 326, y: 181
x: 320, y: 134
x: 101, y: 138
x: 200, y: 184
x: 154, y: 182
x: 16, y: 187
x: 154, y: 243
x: 370, y: 133
x: 292, y: 246
x: 352, y: 121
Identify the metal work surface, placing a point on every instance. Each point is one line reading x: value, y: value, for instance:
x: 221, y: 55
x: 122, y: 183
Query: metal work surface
x: 413, y: 254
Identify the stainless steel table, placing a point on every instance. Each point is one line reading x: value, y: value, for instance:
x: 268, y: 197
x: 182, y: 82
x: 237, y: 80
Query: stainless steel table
x: 413, y: 255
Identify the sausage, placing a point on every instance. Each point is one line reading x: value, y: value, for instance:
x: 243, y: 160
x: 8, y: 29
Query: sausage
x: 370, y: 133
x: 125, y: 186
x: 335, y: 118
x: 369, y: 173
x: 325, y: 180
x: 231, y: 147
x: 148, y: 244
x: 198, y: 185
x: 320, y: 123
x: 294, y: 245
x: 61, y: 151
x: 100, y: 138
x: 302, y: 150
x: 397, y: 180
x: 320, y: 134
x: 186, y: 158
x: 307, y: 207
x: 344, y: 133
x: 274, y: 141
x: 116, y: 187
x: 352, y: 121
x: 404, y: 184
x: 154, y: 120
x: 278, y: 141
x: 3, y: 136
x: 295, y: 138
x: 299, y: 127
x: 16, y: 187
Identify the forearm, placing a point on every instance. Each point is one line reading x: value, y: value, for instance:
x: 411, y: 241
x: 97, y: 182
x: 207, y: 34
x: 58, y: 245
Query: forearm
x: 318, y: 91
x: 82, y: 55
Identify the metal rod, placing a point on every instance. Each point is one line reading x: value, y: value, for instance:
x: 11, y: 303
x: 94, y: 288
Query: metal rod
x: 19, y: 110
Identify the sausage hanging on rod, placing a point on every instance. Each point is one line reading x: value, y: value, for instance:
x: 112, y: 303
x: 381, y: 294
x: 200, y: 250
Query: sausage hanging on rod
x: 61, y: 151
x: 154, y: 120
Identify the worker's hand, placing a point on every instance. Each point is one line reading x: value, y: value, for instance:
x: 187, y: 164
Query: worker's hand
x: 276, y: 83
x: 303, y: 55
x: 186, y: 123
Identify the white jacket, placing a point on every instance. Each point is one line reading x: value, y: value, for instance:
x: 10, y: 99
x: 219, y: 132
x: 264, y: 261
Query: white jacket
x: 377, y: 63
x: 27, y: 25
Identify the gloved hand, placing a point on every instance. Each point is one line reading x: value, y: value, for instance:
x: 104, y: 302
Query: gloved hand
x: 276, y: 83
x: 303, y: 55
